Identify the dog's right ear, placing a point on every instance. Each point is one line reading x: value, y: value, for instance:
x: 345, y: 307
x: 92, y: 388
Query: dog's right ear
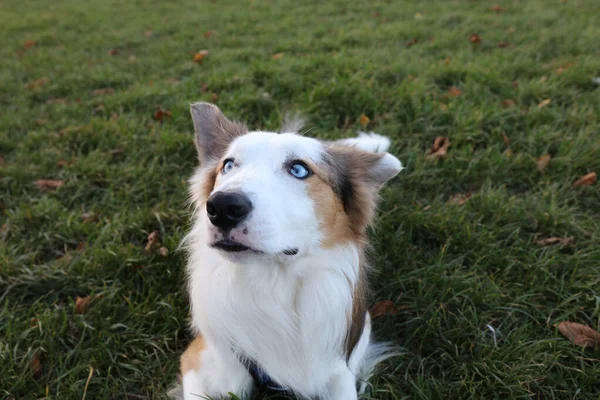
x: 214, y: 132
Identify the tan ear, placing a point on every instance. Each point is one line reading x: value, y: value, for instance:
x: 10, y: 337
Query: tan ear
x: 357, y: 176
x: 214, y: 132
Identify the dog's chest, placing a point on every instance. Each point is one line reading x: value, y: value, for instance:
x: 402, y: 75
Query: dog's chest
x: 293, y: 327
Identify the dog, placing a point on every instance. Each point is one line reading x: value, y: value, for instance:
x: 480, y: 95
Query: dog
x: 276, y: 261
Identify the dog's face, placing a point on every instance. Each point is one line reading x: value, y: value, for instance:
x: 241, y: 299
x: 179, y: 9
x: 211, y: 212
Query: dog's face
x: 280, y: 196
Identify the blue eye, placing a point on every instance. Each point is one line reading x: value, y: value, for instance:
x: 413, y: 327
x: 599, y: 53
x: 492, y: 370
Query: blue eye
x: 227, y: 166
x: 299, y: 170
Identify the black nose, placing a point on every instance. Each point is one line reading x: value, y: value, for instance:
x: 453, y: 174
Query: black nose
x: 227, y: 209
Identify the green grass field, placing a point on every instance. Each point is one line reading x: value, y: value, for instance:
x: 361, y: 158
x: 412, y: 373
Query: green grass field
x: 80, y: 83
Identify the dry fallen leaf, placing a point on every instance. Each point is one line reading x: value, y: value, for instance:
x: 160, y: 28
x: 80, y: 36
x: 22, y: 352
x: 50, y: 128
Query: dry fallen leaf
x: 505, y: 138
x: 542, y: 163
x: 29, y: 44
x: 497, y: 8
x: 544, y: 103
x: 38, y: 83
x: 364, y: 121
x: 160, y: 114
x: 208, y: 34
x: 559, y: 71
x: 101, y: 92
x: 148, y: 33
x: 214, y: 97
x: 580, y: 334
x: 277, y: 56
x: 412, y: 42
x: 586, y: 180
x: 508, y: 103
x: 36, y: 366
x: 163, y: 251
x: 460, y: 199
x: 88, y: 217
x: 33, y: 322
x: 81, y: 304
x: 555, y: 240
x: 454, y: 91
x: 153, y: 241
x: 382, y: 308
x: 199, y: 56
x: 515, y: 84
x: 113, y: 52
x: 49, y: 183
x: 439, y: 148
x: 474, y: 38
x: 503, y: 45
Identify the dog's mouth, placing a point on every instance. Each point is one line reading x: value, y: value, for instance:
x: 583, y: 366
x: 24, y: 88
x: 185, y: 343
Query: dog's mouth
x: 231, y: 246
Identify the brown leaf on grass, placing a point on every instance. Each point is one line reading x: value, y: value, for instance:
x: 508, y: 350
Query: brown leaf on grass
x: 148, y: 33
x: 56, y: 101
x: 503, y: 45
x: 208, y: 34
x: 515, y: 84
x: 382, y: 308
x: 496, y: 8
x: 543, y: 161
x: 475, y: 38
x: 214, y: 97
x: 460, y: 199
x: 113, y: 52
x: 33, y: 322
x: 36, y: 365
x: 49, y: 183
x: 89, y: 217
x: 80, y: 246
x: 38, y: 83
x: 555, y: 240
x: 199, y: 56
x: 163, y: 251
x: 508, y: 103
x: 277, y: 56
x: 81, y: 304
x: 505, y: 138
x: 102, y: 92
x: 153, y: 241
x: 114, y: 152
x: 544, y: 103
x: 579, y: 334
x: 204, y: 88
x: 412, y: 42
x: 439, y: 148
x: 41, y: 122
x: 559, y: 71
x: 586, y: 180
x: 364, y: 121
x: 454, y: 91
x: 63, y: 163
x: 160, y: 114
x: 29, y: 44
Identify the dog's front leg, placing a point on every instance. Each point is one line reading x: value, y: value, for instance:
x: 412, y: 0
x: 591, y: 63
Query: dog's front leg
x: 341, y: 386
x: 207, y: 373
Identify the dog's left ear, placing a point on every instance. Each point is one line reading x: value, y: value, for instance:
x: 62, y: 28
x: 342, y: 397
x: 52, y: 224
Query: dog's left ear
x: 356, y: 177
x: 214, y: 132
x: 364, y: 167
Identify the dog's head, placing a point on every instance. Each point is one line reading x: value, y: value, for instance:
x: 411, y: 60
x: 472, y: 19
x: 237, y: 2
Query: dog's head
x: 280, y: 195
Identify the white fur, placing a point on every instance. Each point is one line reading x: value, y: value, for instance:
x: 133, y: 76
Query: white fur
x: 289, y: 313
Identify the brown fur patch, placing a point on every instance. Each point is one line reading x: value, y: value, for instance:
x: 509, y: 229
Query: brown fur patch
x: 190, y: 359
x: 329, y: 208
x: 350, y: 175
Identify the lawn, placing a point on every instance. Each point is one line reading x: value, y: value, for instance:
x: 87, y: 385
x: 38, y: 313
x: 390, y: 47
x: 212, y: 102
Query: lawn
x: 94, y: 96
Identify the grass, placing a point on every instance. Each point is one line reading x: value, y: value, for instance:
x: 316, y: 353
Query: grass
x: 78, y: 104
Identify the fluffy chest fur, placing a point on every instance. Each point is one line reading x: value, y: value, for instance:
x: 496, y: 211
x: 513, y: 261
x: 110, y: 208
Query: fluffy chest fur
x: 291, y: 319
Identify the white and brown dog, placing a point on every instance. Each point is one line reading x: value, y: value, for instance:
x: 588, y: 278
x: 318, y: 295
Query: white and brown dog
x: 277, y: 261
